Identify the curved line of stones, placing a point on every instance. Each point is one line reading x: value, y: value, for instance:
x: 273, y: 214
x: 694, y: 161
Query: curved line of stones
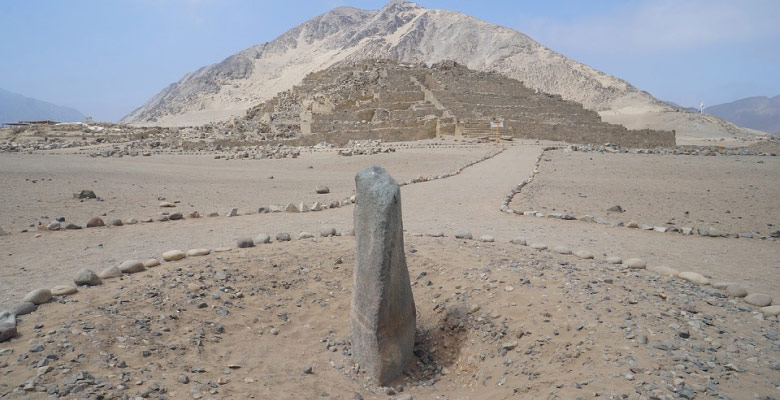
x: 601, y: 221
x: 44, y: 295
x: 291, y: 207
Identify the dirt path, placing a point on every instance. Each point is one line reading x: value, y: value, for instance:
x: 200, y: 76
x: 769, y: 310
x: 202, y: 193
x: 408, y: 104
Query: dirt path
x: 467, y: 201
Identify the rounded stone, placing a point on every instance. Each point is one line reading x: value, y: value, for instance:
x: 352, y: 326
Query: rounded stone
x: 63, y: 290
x: 758, y: 299
x: 263, y: 238
x: 95, y: 222
x: 176, y: 216
x: 86, y: 277
x: 305, y: 235
x: 131, y: 266
x: 198, y: 252
x: 283, y: 237
x: 664, y: 270
x: 151, y: 263
x: 167, y: 204
x: 539, y: 246
x: 38, y: 296
x: 131, y: 221
x: 322, y: 189
x: 635, y: 263
x: 561, y: 250
x: 328, y: 232
x: 463, y: 235
x: 614, y: 260
x: 694, y: 277
x: 434, y: 233
x: 173, y: 255
x: 518, y: 240
x: 584, y: 254
x: 487, y: 239
x: 771, y: 311
x: 110, y: 272
x: 23, y: 308
x: 244, y: 243
x: 722, y: 285
x: 736, y: 291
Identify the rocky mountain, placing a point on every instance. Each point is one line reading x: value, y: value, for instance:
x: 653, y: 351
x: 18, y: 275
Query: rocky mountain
x: 760, y: 113
x: 407, y: 32
x: 15, y: 107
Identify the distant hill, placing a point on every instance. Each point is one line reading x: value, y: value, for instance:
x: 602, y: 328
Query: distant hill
x: 761, y: 113
x: 15, y: 107
x: 408, y: 33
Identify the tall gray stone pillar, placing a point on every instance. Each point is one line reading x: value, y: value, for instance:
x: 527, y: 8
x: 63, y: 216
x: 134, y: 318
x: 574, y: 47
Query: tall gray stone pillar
x: 382, y: 319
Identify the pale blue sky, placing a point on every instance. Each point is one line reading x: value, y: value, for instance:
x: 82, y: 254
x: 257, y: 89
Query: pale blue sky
x: 107, y: 57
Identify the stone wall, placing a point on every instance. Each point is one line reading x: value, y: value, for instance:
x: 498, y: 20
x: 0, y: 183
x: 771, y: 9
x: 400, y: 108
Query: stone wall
x: 380, y: 99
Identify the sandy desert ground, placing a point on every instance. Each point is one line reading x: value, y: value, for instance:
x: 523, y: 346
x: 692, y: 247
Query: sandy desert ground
x: 495, y: 319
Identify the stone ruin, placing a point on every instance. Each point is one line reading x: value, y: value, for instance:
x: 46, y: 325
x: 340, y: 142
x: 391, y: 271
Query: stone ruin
x: 383, y: 314
x: 387, y: 100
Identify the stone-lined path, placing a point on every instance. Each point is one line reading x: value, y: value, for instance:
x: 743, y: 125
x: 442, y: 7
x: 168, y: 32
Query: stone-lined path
x: 467, y: 201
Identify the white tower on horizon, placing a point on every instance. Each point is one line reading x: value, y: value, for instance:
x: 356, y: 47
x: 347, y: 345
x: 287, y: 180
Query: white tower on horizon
x: 701, y: 108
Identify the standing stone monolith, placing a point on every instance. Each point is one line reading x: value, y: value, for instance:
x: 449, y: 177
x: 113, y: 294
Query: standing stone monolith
x: 383, y: 315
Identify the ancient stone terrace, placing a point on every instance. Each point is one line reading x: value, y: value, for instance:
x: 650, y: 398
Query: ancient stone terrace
x: 381, y: 99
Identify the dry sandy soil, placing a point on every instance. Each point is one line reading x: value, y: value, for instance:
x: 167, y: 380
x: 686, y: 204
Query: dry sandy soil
x: 497, y: 320
x: 728, y: 193
x: 35, y: 189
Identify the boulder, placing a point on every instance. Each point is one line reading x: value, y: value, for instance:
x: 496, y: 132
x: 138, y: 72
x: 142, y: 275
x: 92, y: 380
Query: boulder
x: 151, y: 263
x: 23, y: 308
x: 664, y: 270
x: 95, y: 222
x: 322, y: 189
x: 110, y: 272
x: 382, y: 317
x: 694, y: 277
x: 758, y: 299
x: 771, y: 311
x: 176, y: 216
x: 614, y: 260
x: 262, y: 238
x: 283, y: 237
x: 561, y: 250
x: 131, y: 266
x: 7, y: 326
x: 173, y: 255
x: 38, y: 296
x: 244, y: 243
x: 86, y: 277
x: 463, y: 235
x: 328, y: 232
x: 736, y: 291
x: 518, y: 240
x: 87, y: 194
x: 198, y: 252
x: 584, y: 254
x: 635, y: 263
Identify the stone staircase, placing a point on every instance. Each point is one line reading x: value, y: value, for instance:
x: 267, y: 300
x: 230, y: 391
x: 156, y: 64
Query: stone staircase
x: 382, y: 99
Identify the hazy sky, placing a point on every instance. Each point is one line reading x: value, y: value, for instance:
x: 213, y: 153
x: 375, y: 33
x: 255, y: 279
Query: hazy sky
x: 107, y: 57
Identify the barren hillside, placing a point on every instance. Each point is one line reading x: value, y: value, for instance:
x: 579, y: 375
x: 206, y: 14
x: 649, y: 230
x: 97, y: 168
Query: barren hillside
x: 409, y: 33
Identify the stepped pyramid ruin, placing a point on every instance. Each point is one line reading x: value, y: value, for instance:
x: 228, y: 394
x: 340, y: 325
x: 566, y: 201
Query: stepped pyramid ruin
x: 384, y: 99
